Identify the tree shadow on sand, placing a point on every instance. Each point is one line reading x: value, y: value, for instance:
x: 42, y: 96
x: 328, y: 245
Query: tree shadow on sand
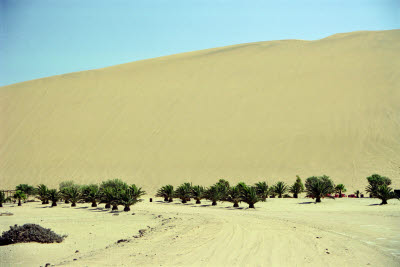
x: 309, y: 202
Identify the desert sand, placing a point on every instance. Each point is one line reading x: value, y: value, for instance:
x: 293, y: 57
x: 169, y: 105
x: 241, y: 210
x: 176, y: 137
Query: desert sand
x: 279, y: 232
x: 249, y: 112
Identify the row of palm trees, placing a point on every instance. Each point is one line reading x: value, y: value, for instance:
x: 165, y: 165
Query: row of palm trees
x: 111, y: 192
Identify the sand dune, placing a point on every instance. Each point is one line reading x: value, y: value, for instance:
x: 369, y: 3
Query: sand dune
x: 266, y: 110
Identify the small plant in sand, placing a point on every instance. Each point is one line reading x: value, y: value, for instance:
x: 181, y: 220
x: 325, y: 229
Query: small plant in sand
x: 271, y: 191
x: 63, y: 188
x: 249, y: 196
x: 28, y: 190
x: 357, y: 193
x: 130, y: 196
x: 197, y: 193
x: 297, y: 187
x: 214, y: 193
x: 91, y: 193
x: 319, y: 187
x: 280, y: 189
x: 374, y: 182
x: 385, y: 193
x: 3, y: 198
x: 43, y: 193
x: 167, y: 192
x: 54, y: 196
x: 235, y: 195
x: 29, y: 233
x: 262, y: 190
x: 19, y: 195
x: 184, y: 192
x: 340, y: 188
x: 73, y: 194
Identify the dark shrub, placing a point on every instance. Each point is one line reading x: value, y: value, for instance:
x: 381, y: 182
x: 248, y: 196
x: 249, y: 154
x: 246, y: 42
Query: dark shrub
x: 29, y: 233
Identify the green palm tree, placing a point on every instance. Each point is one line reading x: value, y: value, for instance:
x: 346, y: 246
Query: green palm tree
x: 162, y: 193
x: 54, y: 196
x: 91, y: 193
x: 271, y: 191
x: 43, y: 193
x: 249, y: 196
x: 318, y: 187
x: 73, y: 194
x: 20, y: 196
x: 110, y: 191
x: 357, y: 193
x: 63, y: 190
x: 262, y: 190
x: 167, y: 192
x: 131, y: 196
x: 213, y: 193
x: 339, y: 189
x: 223, y: 186
x: 280, y: 189
x: 3, y: 198
x: 184, y: 191
x: 385, y: 193
x: 297, y: 187
x: 27, y: 189
x: 374, y: 181
x: 197, y: 193
x: 235, y: 195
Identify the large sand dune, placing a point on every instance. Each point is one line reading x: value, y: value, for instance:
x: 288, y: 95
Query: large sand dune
x: 266, y: 110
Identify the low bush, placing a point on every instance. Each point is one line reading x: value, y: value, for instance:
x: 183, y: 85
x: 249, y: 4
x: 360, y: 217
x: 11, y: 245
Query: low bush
x: 29, y: 233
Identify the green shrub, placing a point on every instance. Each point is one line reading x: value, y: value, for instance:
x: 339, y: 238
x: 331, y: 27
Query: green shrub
x: 29, y: 233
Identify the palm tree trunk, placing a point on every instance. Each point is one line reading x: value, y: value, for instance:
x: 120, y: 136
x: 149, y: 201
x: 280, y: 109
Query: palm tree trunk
x: 251, y: 206
x: 66, y: 201
x: 198, y: 201
x: 54, y: 204
x: 384, y: 201
x: 214, y: 203
x: 340, y: 193
x: 127, y: 208
x: 1, y: 205
x: 318, y: 199
x: 166, y: 199
x: 170, y: 199
x: 295, y: 195
x: 115, y: 207
x: 280, y: 196
x: 73, y: 204
x: 94, y: 204
x: 184, y: 200
x: 47, y: 202
x: 236, y: 205
x: 107, y: 206
x: 19, y: 202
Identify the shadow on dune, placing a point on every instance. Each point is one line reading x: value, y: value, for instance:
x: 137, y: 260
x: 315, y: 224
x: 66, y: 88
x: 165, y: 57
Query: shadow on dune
x: 310, y: 202
x: 374, y: 204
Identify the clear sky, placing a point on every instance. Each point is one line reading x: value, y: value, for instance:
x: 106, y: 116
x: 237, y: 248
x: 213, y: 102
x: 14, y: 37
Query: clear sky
x: 40, y: 38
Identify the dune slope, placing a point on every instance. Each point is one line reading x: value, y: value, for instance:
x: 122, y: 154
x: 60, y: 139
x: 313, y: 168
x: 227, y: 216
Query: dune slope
x: 266, y: 110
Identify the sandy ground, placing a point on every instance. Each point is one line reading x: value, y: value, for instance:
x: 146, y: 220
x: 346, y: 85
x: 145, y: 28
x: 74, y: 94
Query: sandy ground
x: 249, y: 112
x: 279, y: 232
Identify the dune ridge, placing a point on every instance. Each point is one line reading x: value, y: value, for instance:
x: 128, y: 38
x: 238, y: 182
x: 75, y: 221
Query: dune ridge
x: 249, y: 112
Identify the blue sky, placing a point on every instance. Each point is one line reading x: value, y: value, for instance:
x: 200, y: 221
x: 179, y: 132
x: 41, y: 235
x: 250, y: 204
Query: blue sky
x: 40, y: 38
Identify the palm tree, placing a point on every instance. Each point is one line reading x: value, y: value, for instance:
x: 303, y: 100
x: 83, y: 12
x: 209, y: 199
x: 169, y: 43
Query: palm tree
x: 318, y: 187
x: 249, y: 195
x: 197, y: 193
x: 385, y: 193
x: 339, y: 189
x: 3, y: 198
x: 19, y: 195
x: 162, y: 192
x: 91, y: 193
x: 235, y: 195
x: 131, y: 196
x: 374, y: 181
x: 62, y: 189
x: 73, y: 194
x: 107, y: 196
x: 262, y: 190
x: 111, y: 192
x: 271, y: 191
x: 183, y: 192
x: 43, y: 193
x: 223, y: 186
x: 25, y: 188
x: 297, y: 187
x: 357, y: 193
x: 213, y: 193
x: 54, y: 196
x: 280, y: 189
